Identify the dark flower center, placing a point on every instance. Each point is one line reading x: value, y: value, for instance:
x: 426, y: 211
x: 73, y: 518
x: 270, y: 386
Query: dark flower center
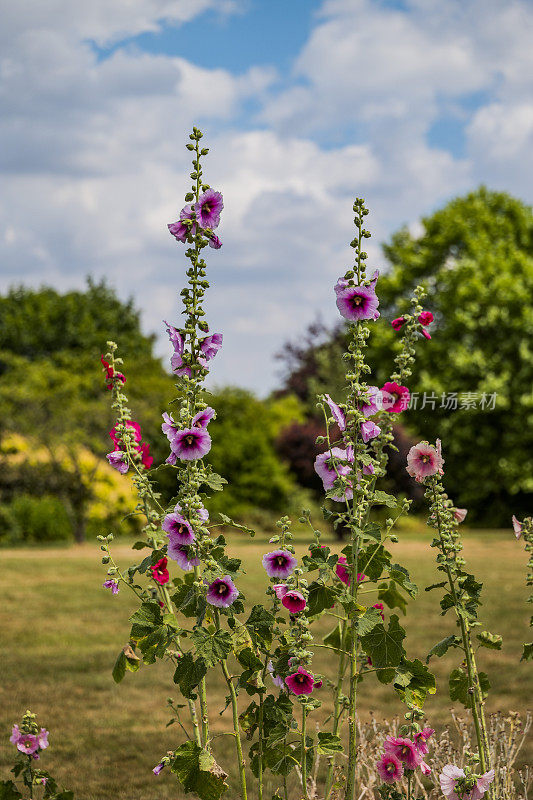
x: 390, y: 768
x: 280, y: 560
x: 425, y: 459
x: 357, y: 300
x: 223, y: 589
x: 206, y: 208
x: 190, y: 439
x: 300, y: 678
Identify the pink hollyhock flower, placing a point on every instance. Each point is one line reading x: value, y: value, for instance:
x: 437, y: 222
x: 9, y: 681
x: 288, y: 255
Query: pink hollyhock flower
x: 517, y: 527
x: 358, y: 302
x: 276, y: 679
x: 279, y: 563
x: 111, y: 584
x: 110, y: 373
x: 389, y: 768
x: 426, y: 769
x: 426, y: 334
x: 177, y: 528
x: 182, y: 555
x: 425, y: 318
x: 420, y: 739
x: 294, y: 601
x: 176, y: 339
x: 348, y: 494
x: 118, y: 461
x: 369, y: 430
x: 208, y: 209
x: 368, y: 469
x: 300, y: 682
x: 325, y: 469
x: 424, y: 460
x: 211, y: 345
x: 42, y: 738
x: 222, y: 592
x: 337, y: 413
x: 343, y: 573
x: 203, y: 418
x: 160, y: 571
x: 317, y: 683
x: 381, y: 608
x: 395, y: 397
x: 373, y: 403
x: 156, y: 770
x: 147, y: 459
x: 404, y: 749
x: 15, y: 735
x: 460, y: 514
x: 280, y: 590
x: 178, y: 229
x: 178, y: 367
x: 215, y: 242
x: 452, y: 780
x: 191, y: 443
x: 28, y: 743
x: 398, y: 323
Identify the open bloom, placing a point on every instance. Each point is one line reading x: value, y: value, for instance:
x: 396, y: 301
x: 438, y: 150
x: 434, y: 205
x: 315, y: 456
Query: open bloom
x: 369, y: 430
x: 42, y: 738
x: 425, y: 318
x: 294, y: 601
x: 175, y: 337
x: 179, y: 229
x: 111, y: 584
x: 300, y: 682
x: 15, y: 735
x: 389, y: 768
x: 395, y: 397
x: 373, y: 401
x: 208, y: 209
x: 191, y: 443
x: 118, y: 461
x: 211, y: 345
x: 424, y: 460
x: 182, y: 555
x: 420, y: 739
x: 160, y: 571
x: 404, y: 749
x: 398, y: 323
x: 343, y: 573
x: 27, y: 743
x: 460, y: 514
x: 456, y: 786
x: 178, y: 529
x: 517, y: 527
x: 358, y: 302
x: 202, y: 419
x: 222, y: 592
x: 338, y: 413
x: 279, y: 563
x: 280, y: 590
x: 325, y: 469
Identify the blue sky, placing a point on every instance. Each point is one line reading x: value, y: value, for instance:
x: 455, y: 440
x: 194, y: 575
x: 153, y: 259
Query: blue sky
x: 305, y: 104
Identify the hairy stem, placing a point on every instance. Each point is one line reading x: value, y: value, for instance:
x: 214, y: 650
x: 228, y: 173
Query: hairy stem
x: 337, y: 710
x: 304, y: 752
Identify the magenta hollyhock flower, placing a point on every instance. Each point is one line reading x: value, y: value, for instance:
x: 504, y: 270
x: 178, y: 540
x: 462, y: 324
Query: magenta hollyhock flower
x: 398, y: 323
x: 215, y: 242
x: 460, y: 514
x: 178, y: 229
x: 426, y: 769
x: 191, y: 443
x: 176, y: 339
x: 425, y: 318
x: 369, y: 430
x: 118, y: 461
x: 135, y: 427
x: 404, y: 750
x: 177, y: 528
x: 222, y: 592
x: 381, y: 608
x: 182, y: 555
x: 15, y: 735
x: 326, y: 470
x: 420, y: 739
x: 300, y: 682
x: 424, y: 460
x: 147, y: 459
x: 395, y: 397
x: 42, y: 738
x: 28, y: 743
x: 279, y: 563
x: 156, y: 770
x: 517, y: 527
x: 202, y: 419
x: 111, y: 374
x: 294, y: 601
x: 208, y: 209
x: 160, y: 571
x: 390, y: 769
x: 178, y: 367
x: 276, y: 679
x: 111, y: 584
x: 358, y: 302
x: 280, y: 590
x: 373, y: 402
x: 337, y: 413
x: 343, y: 573
x: 211, y: 345
x: 426, y: 334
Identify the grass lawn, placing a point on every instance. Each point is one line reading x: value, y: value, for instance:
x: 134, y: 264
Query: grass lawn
x: 61, y: 633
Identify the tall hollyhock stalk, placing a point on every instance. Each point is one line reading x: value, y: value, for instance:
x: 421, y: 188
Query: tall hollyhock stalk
x: 463, y: 594
x: 524, y: 530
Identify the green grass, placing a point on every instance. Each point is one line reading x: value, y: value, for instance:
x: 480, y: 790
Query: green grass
x: 61, y: 633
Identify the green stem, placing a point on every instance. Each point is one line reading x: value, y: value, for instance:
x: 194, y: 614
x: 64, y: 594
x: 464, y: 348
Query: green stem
x: 304, y: 752
x: 337, y: 710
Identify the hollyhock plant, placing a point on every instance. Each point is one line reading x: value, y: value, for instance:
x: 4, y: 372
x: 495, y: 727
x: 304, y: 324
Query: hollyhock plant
x: 358, y: 302
x: 222, y: 592
x: 112, y: 584
x: 420, y: 739
x: 191, y: 444
x: 211, y: 345
x: 405, y: 751
x: 328, y: 468
x: 300, y: 682
x: 279, y: 563
x: 424, y: 460
x: 160, y: 572
x: 373, y: 401
x: 517, y: 527
x: 343, y: 573
x: 338, y: 413
x: 118, y: 461
x: 182, y: 555
x: 276, y: 679
x: 395, y: 397
x: 460, y: 514
x: 178, y: 529
x: 294, y: 601
x: 456, y: 785
x: 180, y: 230
x: 202, y: 419
x: 111, y: 374
x: 425, y: 318
x: 369, y: 430
x: 280, y: 590
x: 208, y: 209
x: 398, y: 323
x: 28, y: 777
x: 389, y: 768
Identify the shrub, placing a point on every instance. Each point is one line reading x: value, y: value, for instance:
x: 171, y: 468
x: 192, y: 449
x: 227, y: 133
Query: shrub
x: 41, y: 519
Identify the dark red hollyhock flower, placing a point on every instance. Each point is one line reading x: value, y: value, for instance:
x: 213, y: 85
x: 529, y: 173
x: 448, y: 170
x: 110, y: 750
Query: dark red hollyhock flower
x: 160, y: 571
x: 398, y: 323
x: 110, y: 373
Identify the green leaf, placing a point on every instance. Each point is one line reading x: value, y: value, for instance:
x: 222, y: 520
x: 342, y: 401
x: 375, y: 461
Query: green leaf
x: 211, y: 647
x: 146, y: 619
x: 373, y: 560
x: 391, y: 596
x: 527, y: 652
x: 384, y: 646
x: 373, y: 530
x: 491, y: 640
x: 215, y: 481
x: 249, y: 660
x: 401, y: 576
x: 328, y: 744
x: 320, y: 598
x: 119, y: 670
x: 443, y: 646
x: 8, y: 791
x: 260, y: 625
x: 140, y: 545
x: 384, y: 499
x: 188, y: 674
x: 368, y: 621
x: 459, y: 687
x: 413, y: 682
x: 229, y: 521
x: 198, y: 772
